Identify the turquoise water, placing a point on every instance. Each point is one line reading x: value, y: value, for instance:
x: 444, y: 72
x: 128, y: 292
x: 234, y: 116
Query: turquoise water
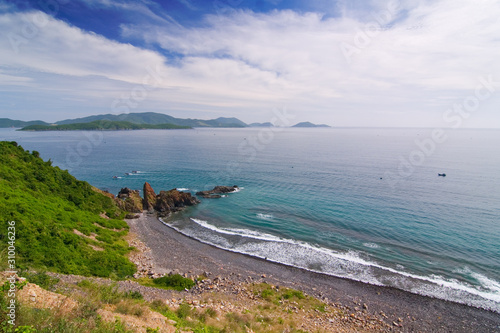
x: 337, y: 201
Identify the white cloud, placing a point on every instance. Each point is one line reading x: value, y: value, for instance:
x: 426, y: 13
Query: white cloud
x: 42, y: 43
x: 405, y: 70
x: 141, y: 10
x: 416, y: 53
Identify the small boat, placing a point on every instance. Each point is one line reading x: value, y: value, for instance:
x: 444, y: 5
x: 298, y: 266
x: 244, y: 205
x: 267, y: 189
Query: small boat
x: 135, y: 171
x: 441, y: 175
x: 127, y: 173
x: 115, y: 177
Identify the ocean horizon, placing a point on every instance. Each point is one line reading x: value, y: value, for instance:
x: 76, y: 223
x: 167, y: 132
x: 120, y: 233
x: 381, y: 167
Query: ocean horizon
x: 366, y: 204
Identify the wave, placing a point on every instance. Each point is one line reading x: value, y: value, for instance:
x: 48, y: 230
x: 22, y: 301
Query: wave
x: 182, y: 189
x: 265, y: 216
x: 371, y: 245
x: 351, y: 264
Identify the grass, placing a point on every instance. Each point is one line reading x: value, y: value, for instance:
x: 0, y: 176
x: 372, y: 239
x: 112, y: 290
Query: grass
x: 128, y: 307
x: 275, y: 310
x: 30, y: 320
x: 106, y: 293
x: 41, y: 278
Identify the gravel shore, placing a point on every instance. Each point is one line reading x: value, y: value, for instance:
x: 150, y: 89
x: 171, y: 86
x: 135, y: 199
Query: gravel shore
x: 176, y: 253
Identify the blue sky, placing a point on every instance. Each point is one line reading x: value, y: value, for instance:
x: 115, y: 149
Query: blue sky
x: 407, y: 63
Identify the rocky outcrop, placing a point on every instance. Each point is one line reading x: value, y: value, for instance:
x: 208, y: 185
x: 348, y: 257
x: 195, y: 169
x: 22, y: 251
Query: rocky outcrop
x: 217, y: 191
x: 129, y: 200
x: 149, y: 200
x: 173, y: 201
x: 164, y: 203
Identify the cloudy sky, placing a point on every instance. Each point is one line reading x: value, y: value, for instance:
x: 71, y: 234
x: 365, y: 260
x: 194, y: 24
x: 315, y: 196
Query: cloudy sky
x: 408, y: 63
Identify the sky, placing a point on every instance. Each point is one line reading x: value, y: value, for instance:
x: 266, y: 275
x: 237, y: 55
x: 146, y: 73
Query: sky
x: 406, y: 63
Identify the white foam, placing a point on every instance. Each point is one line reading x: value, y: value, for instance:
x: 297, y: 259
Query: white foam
x: 239, y: 232
x: 348, y: 265
x: 182, y: 189
x: 371, y: 245
x: 265, y: 216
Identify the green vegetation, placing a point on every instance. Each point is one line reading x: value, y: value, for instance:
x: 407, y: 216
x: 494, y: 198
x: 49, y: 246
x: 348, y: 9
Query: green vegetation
x: 106, y: 293
x: 6, y: 122
x: 174, y: 281
x: 271, y: 294
x: 57, y: 219
x: 283, y: 311
x: 42, y: 279
x: 31, y: 320
x: 101, y: 125
x: 158, y: 118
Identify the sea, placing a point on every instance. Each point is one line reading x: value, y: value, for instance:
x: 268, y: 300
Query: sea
x: 365, y: 204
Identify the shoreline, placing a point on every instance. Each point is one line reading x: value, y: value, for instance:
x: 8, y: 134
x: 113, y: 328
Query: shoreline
x: 177, y: 253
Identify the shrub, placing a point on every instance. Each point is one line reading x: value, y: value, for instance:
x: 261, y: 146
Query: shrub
x: 183, y: 311
x: 133, y: 295
x: 42, y: 279
x: 290, y: 293
x: 175, y: 281
x: 267, y: 294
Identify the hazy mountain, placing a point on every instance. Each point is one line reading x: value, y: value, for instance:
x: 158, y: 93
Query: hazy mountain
x: 308, y: 124
x: 101, y: 125
x: 268, y: 124
x: 6, y: 122
x: 154, y: 118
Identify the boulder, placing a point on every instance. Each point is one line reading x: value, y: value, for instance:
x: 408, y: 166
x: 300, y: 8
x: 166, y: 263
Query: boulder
x: 217, y: 191
x: 149, y: 200
x: 173, y: 201
x: 129, y: 200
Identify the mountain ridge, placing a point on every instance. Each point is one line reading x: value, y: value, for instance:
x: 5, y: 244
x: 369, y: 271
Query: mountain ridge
x: 7, y: 122
x: 101, y: 125
x: 307, y: 124
x: 154, y: 118
x: 150, y: 118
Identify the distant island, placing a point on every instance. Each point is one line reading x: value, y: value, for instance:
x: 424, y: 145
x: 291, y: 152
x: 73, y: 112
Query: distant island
x: 101, y: 125
x: 268, y: 124
x: 308, y: 124
x: 6, y: 122
x: 153, y: 118
x: 130, y: 120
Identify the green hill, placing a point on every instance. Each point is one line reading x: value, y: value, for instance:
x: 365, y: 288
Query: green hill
x: 57, y: 218
x: 101, y: 125
x: 309, y: 124
x: 6, y: 122
x: 154, y: 118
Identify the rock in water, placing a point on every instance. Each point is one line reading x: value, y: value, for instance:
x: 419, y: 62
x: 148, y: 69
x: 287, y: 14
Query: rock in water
x: 129, y: 200
x: 217, y: 191
x: 173, y: 201
x: 149, y: 201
